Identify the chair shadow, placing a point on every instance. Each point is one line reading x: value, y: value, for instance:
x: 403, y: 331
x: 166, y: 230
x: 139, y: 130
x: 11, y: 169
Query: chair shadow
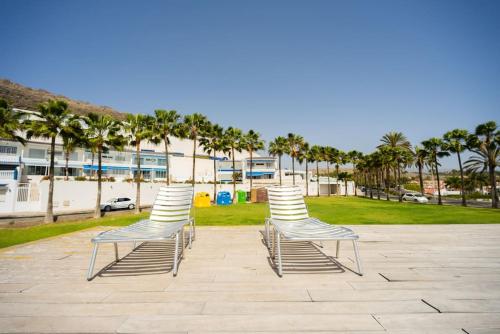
x: 304, y: 257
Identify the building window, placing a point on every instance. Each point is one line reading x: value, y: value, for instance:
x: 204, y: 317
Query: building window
x: 36, y: 170
x: 3, y: 194
x: 36, y: 153
x: 8, y: 149
x: 160, y: 174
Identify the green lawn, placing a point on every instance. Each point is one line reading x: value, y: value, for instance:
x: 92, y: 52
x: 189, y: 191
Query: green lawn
x: 334, y: 210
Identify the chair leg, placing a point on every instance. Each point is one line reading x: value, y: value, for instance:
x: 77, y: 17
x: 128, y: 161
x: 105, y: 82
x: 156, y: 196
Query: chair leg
x: 358, y: 259
x: 135, y: 245
x: 190, y: 241
x: 194, y: 229
x: 92, y: 262
x: 267, y: 233
x: 337, y: 254
x: 183, y: 243
x: 280, y: 266
x: 273, y: 242
x: 176, y: 253
x: 117, y: 258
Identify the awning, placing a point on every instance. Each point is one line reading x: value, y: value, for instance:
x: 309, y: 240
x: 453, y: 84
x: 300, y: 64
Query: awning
x: 259, y: 173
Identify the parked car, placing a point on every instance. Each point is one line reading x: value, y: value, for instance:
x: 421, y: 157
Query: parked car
x: 118, y: 203
x: 419, y: 198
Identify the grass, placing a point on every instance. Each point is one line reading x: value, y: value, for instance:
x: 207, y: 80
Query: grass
x: 334, y: 210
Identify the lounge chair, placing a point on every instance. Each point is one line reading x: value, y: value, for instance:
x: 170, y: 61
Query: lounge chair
x: 169, y: 215
x: 290, y: 221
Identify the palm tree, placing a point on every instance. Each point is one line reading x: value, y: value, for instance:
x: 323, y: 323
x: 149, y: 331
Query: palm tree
x: 328, y: 155
x: 102, y: 132
x: 386, y: 159
x: 434, y: 148
x: 345, y: 176
x: 295, y: 143
x: 52, y: 118
x: 485, y: 143
x: 70, y: 143
x: 166, y: 124
x: 194, y: 126
x: 213, y: 142
x: 138, y: 129
x: 317, y: 156
x: 10, y: 123
x: 306, y: 156
x: 420, y: 155
x: 354, y: 157
x: 456, y: 142
x: 278, y: 147
x: 399, y: 143
x: 234, y: 138
x: 252, y: 143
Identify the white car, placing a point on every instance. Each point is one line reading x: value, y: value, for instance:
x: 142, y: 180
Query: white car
x: 118, y: 203
x: 419, y: 198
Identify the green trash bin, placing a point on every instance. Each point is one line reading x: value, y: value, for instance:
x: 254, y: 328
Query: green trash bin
x: 242, y: 196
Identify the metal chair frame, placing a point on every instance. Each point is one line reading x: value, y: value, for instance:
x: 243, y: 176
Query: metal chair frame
x: 290, y: 221
x: 169, y: 215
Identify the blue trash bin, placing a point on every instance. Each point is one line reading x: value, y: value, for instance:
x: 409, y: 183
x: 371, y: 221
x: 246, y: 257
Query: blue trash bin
x: 224, y: 198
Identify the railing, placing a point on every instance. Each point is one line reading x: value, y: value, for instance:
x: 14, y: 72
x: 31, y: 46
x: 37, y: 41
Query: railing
x: 6, y: 174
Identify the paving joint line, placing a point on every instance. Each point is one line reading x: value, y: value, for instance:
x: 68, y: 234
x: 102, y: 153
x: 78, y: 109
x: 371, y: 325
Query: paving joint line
x: 378, y: 322
x: 430, y: 305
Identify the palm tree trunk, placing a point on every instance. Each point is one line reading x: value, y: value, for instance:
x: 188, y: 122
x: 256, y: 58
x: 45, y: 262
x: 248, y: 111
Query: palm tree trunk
x: 355, y: 180
x: 251, y: 174
x: 421, y: 179
x: 370, y: 177
x: 234, y: 175
x: 328, y: 175
x: 66, y: 168
x: 97, y: 212
x: 317, y: 175
x: 387, y: 182
x: 307, y: 179
x: 215, y: 177
x: 438, y: 184
x: 138, y: 178
x: 337, y: 178
x: 494, y: 198
x: 167, y: 165
x: 462, y: 183
x: 366, y: 184
x: 293, y: 170
x: 194, y: 161
x: 49, y: 215
x: 378, y: 183
x: 400, y: 196
x: 279, y: 166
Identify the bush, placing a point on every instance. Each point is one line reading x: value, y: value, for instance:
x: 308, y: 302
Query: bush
x: 80, y: 178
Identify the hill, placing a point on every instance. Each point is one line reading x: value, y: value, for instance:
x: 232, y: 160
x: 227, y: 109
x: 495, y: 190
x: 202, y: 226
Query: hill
x: 22, y: 97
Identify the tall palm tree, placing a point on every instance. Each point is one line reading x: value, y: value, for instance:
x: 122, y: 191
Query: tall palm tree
x: 52, y: 118
x: 400, y: 144
x: 345, y: 176
x: 295, y: 143
x: 234, y: 138
x: 252, y: 142
x: 277, y: 148
x: 485, y: 143
x: 138, y: 128
x: 317, y: 156
x: 328, y: 154
x: 166, y: 124
x: 420, y: 155
x: 102, y: 132
x: 10, y: 123
x: 306, y: 156
x: 213, y: 142
x: 386, y: 158
x: 456, y: 142
x: 70, y: 143
x: 354, y: 157
x: 194, y: 126
x: 434, y: 148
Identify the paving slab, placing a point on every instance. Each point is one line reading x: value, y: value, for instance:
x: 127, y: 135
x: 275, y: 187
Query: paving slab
x: 418, y: 279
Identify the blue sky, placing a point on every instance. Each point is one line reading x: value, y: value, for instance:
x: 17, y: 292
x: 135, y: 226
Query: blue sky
x: 340, y: 73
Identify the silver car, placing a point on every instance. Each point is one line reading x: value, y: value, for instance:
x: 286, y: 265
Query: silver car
x: 118, y: 203
x: 419, y: 198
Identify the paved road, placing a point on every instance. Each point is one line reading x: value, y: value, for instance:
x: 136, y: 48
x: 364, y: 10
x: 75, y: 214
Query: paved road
x: 446, y: 201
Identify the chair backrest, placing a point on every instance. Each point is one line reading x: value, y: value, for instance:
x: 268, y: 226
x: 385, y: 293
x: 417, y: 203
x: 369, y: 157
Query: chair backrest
x: 172, y: 204
x: 287, y: 203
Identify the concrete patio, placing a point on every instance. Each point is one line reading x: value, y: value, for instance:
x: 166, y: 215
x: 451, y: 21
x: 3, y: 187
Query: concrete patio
x: 418, y: 279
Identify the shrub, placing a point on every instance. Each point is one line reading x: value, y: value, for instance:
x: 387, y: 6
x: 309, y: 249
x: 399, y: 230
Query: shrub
x: 80, y: 178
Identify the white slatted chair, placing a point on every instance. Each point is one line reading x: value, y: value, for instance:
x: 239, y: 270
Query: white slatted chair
x: 169, y: 215
x: 290, y: 221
